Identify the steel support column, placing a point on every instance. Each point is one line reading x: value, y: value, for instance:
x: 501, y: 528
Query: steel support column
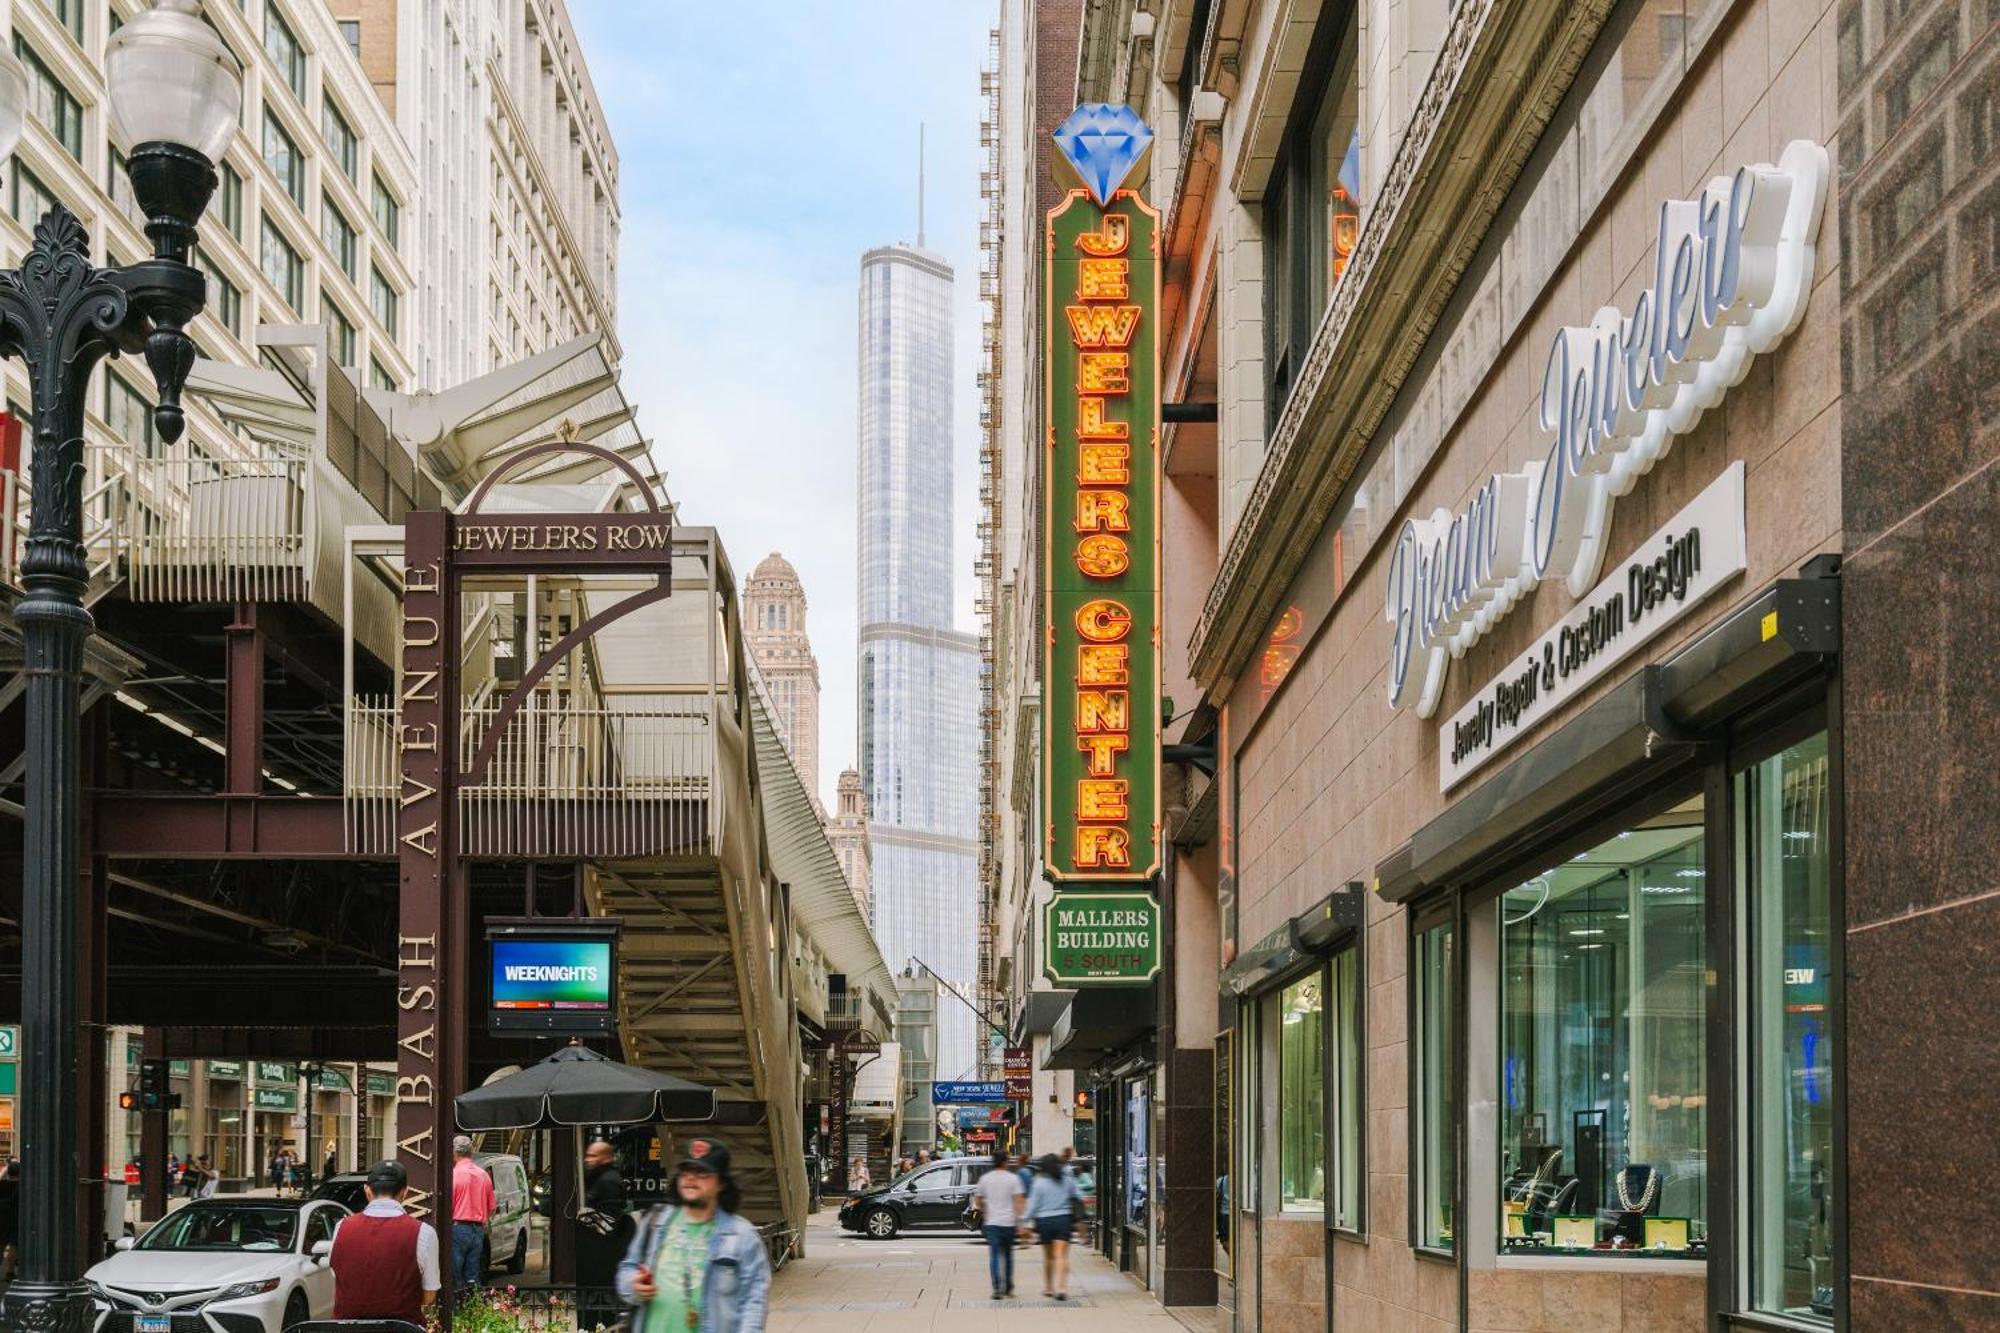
x: 244, y: 704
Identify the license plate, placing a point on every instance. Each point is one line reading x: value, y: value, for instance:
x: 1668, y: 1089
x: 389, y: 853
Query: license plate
x: 153, y: 1323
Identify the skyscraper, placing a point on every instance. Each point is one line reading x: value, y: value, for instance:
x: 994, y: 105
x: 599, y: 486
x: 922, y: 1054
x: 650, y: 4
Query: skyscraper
x: 918, y: 675
x: 774, y: 609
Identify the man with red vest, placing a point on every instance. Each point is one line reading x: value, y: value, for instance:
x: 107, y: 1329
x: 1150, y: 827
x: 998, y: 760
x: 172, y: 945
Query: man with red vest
x: 385, y: 1262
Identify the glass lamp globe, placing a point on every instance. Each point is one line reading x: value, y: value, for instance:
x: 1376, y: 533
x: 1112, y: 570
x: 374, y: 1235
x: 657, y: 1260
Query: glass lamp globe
x: 13, y: 101
x: 169, y: 79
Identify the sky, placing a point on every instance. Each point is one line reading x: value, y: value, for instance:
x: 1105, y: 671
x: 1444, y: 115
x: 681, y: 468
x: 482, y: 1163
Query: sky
x: 763, y: 145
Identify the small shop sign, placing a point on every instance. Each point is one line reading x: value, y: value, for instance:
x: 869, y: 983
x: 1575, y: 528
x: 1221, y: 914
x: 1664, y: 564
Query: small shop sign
x: 276, y: 1099
x: 1020, y: 1071
x: 1101, y: 938
x: 964, y: 1093
x: 1700, y: 549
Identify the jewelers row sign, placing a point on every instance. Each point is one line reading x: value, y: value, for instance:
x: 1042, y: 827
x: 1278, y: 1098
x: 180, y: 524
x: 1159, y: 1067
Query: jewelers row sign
x: 1101, y: 560
x: 1732, y: 270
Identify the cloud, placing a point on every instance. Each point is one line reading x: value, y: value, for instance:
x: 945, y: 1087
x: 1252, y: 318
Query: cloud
x: 763, y: 146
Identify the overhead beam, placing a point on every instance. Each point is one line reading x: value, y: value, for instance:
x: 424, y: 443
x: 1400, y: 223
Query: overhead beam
x: 215, y: 828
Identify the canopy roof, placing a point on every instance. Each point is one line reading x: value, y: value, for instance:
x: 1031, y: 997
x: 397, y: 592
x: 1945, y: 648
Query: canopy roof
x: 578, y: 1086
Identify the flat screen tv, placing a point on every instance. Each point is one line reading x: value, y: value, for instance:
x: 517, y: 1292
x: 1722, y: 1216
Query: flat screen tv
x: 552, y: 976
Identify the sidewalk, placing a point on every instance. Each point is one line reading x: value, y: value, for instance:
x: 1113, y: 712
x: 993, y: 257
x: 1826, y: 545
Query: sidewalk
x: 939, y: 1281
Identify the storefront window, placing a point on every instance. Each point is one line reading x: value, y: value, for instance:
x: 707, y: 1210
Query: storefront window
x: 1347, y: 1108
x: 1302, y: 1096
x: 1603, y: 1048
x: 1437, y: 1091
x: 1786, y: 865
x: 1225, y: 1138
x: 1136, y: 1125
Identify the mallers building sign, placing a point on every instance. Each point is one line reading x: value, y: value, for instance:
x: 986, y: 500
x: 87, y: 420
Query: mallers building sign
x: 1101, y: 561
x: 1732, y: 270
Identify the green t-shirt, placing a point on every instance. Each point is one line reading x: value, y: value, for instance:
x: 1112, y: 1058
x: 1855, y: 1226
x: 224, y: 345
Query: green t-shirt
x: 679, y: 1266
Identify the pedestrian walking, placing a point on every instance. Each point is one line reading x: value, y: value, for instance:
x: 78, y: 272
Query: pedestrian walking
x: 471, y: 1207
x: 1025, y: 1170
x: 385, y: 1262
x: 857, y: 1175
x: 695, y: 1264
x: 276, y: 1170
x: 998, y: 1197
x: 332, y: 1164
x: 1052, y: 1204
x: 193, y: 1177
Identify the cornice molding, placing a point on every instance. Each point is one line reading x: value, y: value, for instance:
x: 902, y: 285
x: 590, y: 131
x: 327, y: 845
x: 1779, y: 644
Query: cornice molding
x: 1504, y: 68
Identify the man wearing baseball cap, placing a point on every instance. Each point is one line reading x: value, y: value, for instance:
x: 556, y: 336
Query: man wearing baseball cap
x: 385, y: 1262
x: 695, y: 1265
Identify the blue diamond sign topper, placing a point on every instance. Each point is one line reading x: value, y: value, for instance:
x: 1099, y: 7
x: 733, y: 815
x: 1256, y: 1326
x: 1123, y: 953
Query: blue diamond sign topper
x: 1105, y: 144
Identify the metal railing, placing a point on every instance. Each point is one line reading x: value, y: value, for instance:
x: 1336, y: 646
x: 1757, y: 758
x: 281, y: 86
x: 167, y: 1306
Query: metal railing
x: 210, y: 529
x: 628, y: 778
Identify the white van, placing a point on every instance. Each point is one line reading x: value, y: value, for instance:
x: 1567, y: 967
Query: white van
x: 507, y: 1229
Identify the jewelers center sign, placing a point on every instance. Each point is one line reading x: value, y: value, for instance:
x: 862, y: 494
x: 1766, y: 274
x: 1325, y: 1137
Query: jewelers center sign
x: 1101, y: 939
x: 1101, y: 560
x: 1732, y: 271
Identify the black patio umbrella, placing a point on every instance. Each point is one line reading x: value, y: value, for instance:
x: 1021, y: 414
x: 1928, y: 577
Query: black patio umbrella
x: 577, y: 1086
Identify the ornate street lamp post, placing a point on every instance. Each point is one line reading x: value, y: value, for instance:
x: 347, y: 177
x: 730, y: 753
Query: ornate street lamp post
x: 175, y: 92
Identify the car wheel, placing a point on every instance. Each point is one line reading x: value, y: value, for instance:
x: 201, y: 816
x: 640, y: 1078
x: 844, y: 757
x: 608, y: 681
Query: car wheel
x: 295, y: 1310
x: 517, y: 1262
x: 880, y: 1223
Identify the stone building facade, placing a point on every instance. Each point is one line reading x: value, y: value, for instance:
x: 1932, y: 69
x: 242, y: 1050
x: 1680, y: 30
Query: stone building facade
x: 1556, y: 575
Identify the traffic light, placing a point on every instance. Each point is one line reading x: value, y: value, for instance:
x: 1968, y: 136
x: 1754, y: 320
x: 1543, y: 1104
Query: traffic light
x: 152, y: 1094
x: 1085, y: 1099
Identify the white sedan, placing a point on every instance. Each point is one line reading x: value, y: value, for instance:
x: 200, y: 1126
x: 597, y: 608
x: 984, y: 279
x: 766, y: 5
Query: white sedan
x: 221, y: 1266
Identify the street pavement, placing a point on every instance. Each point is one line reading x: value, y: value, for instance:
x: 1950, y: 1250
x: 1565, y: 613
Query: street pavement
x: 938, y: 1280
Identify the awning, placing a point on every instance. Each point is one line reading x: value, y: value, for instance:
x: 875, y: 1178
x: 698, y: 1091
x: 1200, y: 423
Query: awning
x: 1320, y: 929
x: 1038, y: 1017
x: 1629, y: 738
x: 823, y: 905
x: 1099, y: 1021
x: 578, y: 1086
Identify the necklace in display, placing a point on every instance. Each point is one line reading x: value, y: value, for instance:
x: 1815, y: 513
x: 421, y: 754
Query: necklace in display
x: 1645, y: 1200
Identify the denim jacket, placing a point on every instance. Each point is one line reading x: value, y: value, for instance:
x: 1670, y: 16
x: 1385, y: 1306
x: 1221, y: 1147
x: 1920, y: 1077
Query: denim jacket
x: 735, y: 1290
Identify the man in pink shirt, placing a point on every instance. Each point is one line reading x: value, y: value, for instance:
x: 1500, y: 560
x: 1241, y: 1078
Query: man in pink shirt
x: 471, y: 1206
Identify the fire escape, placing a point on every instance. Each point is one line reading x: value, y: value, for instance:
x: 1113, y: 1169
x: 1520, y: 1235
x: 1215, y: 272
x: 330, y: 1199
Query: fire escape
x: 987, y: 567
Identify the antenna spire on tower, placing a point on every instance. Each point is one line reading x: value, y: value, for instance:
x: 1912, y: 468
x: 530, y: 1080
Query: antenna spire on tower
x: 920, y: 185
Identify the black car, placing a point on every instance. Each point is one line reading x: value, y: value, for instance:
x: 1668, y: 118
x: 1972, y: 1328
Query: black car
x: 1085, y: 1170
x: 930, y: 1196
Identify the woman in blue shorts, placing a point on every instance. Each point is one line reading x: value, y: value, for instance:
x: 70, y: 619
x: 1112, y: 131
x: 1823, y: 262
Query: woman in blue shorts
x: 1052, y: 1212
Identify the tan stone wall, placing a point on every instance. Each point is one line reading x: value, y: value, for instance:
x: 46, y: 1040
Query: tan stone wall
x: 1332, y: 780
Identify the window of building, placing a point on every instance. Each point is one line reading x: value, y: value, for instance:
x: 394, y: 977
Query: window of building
x: 130, y: 417
x: 118, y: 182
x: 31, y: 200
x: 69, y: 13
x: 284, y: 267
x: 379, y: 374
x: 350, y: 32
x: 339, y: 332
x: 229, y: 200
x: 338, y: 237
x: 388, y: 213
x: 1138, y: 1120
x: 1312, y: 206
x: 1785, y: 870
x: 225, y: 302
x: 283, y: 47
x: 1349, y: 1061
x: 382, y: 299
x: 1603, y: 1047
x: 50, y: 102
x: 1301, y: 1039
x: 1436, y: 1163
x: 1921, y: 75
x: 282, y: 156
x: 339, y: 137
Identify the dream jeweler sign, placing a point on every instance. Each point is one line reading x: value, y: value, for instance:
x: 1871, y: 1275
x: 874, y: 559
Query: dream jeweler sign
x: 1732, y: 271
x: 1101, y: 560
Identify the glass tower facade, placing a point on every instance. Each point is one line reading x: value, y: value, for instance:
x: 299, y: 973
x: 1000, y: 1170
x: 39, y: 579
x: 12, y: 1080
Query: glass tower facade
x: 918, y: 676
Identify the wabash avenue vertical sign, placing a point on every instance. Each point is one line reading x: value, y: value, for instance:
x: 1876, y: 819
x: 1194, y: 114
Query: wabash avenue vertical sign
x: 1101, y: 560
x: 428, y: 987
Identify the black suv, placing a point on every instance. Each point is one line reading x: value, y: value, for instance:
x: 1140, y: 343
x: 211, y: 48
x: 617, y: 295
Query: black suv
x: 930, y: 1196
